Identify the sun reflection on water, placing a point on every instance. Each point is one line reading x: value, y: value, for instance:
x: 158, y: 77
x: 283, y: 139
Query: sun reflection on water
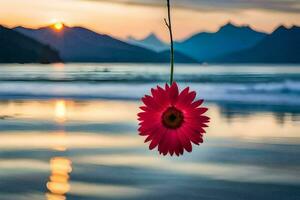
x: 61, y: 167
x: 60, y: 111
x: 58, y: 66
x: 60, y: 143
x: 58, y: 185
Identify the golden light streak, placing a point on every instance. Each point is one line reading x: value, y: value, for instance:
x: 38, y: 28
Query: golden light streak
x: 58, y: 66
x: 60, y: 110
x: 59, y: 179
x: 81, y: 111
x: 61, y: 141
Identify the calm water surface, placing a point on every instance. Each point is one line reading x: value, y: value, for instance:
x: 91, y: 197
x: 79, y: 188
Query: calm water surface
x: 65, y: 137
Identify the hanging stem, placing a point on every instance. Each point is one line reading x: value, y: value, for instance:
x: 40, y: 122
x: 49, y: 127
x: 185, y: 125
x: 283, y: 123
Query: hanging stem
x: 169, y: 25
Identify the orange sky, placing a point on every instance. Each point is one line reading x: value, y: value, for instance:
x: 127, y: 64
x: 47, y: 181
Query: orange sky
x: 122, y: 20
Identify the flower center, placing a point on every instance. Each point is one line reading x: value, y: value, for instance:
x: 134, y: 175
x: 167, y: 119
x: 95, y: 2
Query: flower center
x: 172, y: 118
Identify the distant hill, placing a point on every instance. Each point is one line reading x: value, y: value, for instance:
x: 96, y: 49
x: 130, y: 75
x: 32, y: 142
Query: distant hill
x: 178, y: 57
x: 77, y: 44
x: 150, y: 42
x: 282, y: 46
x: 18, y: 48
x: 229, y: 38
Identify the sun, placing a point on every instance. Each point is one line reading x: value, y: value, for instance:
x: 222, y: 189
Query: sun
x: 58, y: 26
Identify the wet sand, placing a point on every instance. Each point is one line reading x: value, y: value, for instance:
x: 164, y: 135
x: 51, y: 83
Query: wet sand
x: 89, y: 149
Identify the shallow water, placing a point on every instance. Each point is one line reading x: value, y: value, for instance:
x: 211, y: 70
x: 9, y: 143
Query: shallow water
x: 262, y: 85
x: 58, y: 147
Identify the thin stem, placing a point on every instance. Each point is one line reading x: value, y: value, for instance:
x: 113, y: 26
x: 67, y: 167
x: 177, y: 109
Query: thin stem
x: 169, y: 25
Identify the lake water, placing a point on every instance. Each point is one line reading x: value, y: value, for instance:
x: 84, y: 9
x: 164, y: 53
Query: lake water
x: 69, y: 132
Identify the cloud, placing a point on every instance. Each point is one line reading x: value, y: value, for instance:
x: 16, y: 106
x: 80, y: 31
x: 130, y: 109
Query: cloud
x: 229, y: 5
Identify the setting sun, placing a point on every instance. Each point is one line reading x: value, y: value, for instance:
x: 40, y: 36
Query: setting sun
x: 58, y: 26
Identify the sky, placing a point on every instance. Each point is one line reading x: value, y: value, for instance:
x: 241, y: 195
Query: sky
x: 138, y: 18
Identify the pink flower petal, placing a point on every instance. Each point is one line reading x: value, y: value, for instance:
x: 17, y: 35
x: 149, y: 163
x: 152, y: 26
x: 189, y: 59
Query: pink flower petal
x: 185, y: 141
x: 173, y: 94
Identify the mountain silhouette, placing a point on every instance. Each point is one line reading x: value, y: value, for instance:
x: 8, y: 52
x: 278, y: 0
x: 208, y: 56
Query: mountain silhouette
x: 18, y: 48
x: 230, y: 44
x: 178, y: 57
x: 150, y: 42
x: 229, y: 38
x: 282, y: 46
x: 77, y: 44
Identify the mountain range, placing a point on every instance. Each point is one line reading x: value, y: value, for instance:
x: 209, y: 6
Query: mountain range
x: 242, y: 44
x: 78, y: 44
x: 150, y: 42
x: 229, y: 38
x: 17, y: 48
x: 282, y: 46
x: 230, y: 44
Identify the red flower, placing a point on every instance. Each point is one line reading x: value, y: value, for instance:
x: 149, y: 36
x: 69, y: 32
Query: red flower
x: 171, y: 120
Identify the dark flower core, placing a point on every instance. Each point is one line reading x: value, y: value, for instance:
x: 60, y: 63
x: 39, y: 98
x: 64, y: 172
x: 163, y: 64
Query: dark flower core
x: 172, y: 118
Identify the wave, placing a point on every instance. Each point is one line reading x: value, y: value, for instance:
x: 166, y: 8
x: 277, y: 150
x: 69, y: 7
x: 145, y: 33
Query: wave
x: 152, y: 78
x: 143, y: 73
x: 278, y: 85
x: 277, y: 93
